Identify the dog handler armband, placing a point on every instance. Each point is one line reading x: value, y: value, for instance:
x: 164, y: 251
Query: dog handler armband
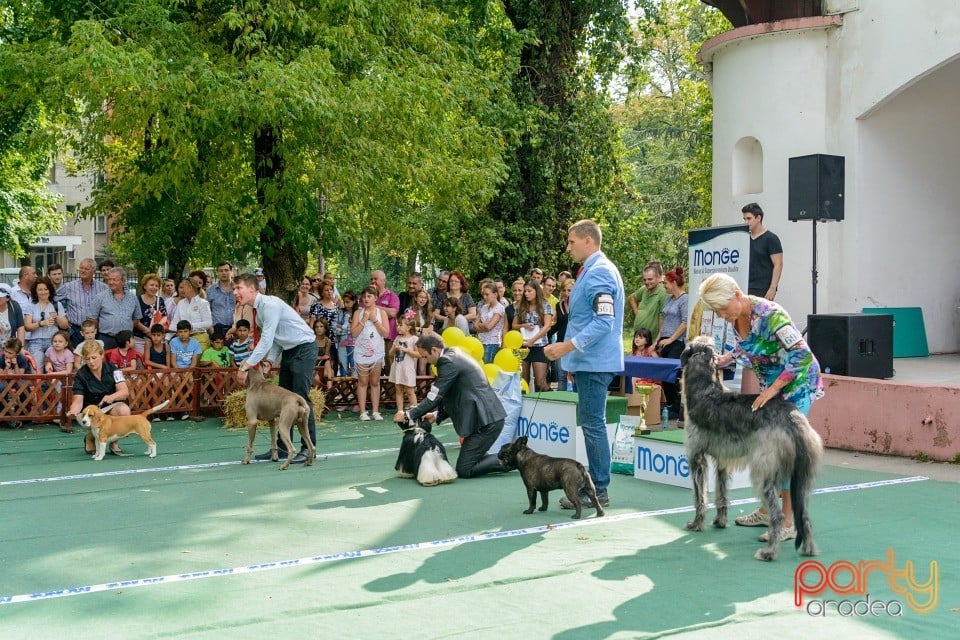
x: 603, y: 305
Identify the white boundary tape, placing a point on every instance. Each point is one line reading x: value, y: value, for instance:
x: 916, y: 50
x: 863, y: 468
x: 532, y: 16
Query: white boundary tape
x: 190, y: 467
x: 431, y: 544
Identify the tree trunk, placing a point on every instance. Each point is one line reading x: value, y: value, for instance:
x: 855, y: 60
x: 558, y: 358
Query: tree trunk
x: 283, y: 265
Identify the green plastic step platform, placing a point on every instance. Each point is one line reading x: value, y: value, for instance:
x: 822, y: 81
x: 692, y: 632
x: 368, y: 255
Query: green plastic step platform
x: 909, y: 333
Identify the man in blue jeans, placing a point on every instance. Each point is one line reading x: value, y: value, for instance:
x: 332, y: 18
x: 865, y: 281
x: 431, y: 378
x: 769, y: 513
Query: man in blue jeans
x: 592, y: 348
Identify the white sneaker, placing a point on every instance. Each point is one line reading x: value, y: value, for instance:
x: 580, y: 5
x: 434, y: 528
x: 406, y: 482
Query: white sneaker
x: 170, y: 418
x: 756, y: 519
x: 787, y: 533
x: 377, y: 416
x: 365, y: 417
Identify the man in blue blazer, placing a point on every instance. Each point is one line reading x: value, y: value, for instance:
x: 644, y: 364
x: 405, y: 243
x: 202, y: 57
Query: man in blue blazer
x: 461, y: 391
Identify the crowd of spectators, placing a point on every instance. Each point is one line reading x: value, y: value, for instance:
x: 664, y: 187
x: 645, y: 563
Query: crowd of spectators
x: 196, y: 321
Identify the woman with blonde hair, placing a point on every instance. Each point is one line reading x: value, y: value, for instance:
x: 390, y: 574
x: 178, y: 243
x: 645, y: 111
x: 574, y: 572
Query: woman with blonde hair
x: 196, y: 311
x: 769, y: 340
x: 98, y: 382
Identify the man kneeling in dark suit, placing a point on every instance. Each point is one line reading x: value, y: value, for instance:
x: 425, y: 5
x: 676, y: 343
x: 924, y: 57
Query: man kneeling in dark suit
x: 461, y: 391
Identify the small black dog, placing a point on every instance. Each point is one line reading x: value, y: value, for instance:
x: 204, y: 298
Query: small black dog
x: 544, y: 474
x: 423, y: 457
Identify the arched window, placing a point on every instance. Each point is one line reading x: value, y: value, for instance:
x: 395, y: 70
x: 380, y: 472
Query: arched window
x: 747, y: 167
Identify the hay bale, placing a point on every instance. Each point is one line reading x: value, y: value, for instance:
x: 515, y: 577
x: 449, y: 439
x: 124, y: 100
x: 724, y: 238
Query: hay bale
x: 235, y: 409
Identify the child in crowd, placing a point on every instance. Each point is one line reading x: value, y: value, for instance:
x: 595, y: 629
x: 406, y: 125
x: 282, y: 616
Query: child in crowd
x: 15, y: 363
x: 88, y: 329
x: 124, y: 357
x: 643, y: 344
x: 454, y: 316
x: 534, y: 319
x: 158, y: 351
x: 325, y: 351
x: 347, y: 342
x: 217, y: 354
x: 158, y: 356
x: 489, y: 322
x: 403, y: 373
x: 58, y: 358
x: 184, y: 350
x: 242, y: 345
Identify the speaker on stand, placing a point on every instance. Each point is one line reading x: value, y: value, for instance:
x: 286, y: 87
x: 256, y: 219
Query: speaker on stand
x: 815, y: 192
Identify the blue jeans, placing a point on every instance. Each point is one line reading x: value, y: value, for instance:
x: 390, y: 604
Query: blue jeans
x: 489, y: 352
x: 38, y: 348
x: 804, y: 406
x: 592, y: 417
x: 345, y: 356
x: 561, y: 376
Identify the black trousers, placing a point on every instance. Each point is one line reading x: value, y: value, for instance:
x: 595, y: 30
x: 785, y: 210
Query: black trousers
x: 671, y: 390
x: 473, y: 460
x: 296, y: 374
x: 109, y: 341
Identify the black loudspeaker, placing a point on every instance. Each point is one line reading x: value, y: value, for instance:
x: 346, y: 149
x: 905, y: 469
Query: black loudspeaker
x: 816, y: 188
x: 852, y: 344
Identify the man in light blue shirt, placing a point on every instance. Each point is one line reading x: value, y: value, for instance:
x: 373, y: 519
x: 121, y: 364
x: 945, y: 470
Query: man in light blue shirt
x: 593, y: 348
x: 279, y: 330
x: 114, y: 310
x: 77, y: 296
x: 222, y: 302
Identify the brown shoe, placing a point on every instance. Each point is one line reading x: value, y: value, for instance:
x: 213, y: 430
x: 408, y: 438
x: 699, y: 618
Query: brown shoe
x: 89, y: 445
x: 66, y: 427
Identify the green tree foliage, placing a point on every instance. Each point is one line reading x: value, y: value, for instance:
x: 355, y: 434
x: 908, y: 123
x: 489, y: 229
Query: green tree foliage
x: 220, y: 123
x: 562, y: 158
x: 27, y: 209
x: 666, y: 121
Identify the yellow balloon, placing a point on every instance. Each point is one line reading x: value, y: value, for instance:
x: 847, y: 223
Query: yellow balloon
x: 491, y: 370
x: 473, y: 346
x: 453, y: 336
x: 512, y: 339
x: 506, y: 360
x: 524, y: 387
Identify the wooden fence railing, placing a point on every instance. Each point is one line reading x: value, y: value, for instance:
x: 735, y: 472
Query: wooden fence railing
x: 198, y: 392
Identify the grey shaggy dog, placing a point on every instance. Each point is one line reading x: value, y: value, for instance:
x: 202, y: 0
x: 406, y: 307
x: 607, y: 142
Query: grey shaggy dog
x: 776, y: 441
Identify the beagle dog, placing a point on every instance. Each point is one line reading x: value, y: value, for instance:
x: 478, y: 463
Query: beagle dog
x: 107, y: 428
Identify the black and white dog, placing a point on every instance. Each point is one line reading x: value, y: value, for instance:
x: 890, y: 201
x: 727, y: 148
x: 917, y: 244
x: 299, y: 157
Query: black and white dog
x: 422, y: 456
x: 776, y: 441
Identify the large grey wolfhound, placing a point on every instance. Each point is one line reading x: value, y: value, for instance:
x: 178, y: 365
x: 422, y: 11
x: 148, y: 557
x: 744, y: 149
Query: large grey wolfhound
x: 776, y: 441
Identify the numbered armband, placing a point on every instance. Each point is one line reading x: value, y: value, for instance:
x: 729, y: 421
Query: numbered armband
x: 789, y: 337
x: 603, y: 305
x: 118, y: 376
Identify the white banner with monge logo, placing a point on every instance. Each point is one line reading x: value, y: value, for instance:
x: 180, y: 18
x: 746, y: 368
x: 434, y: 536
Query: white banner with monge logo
x: 716, y: 250
x: 551, y: 429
